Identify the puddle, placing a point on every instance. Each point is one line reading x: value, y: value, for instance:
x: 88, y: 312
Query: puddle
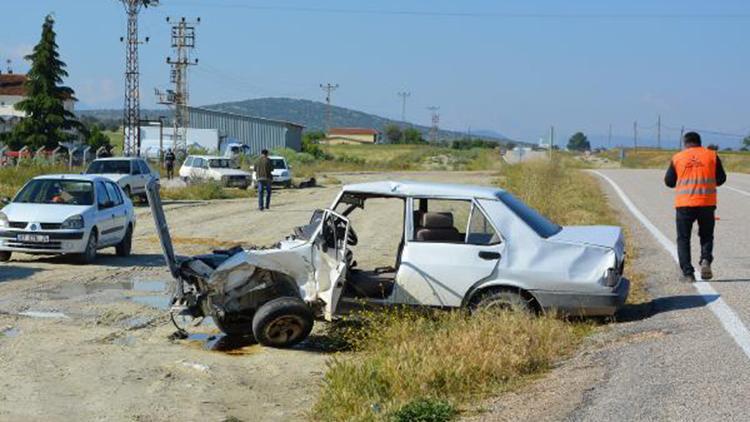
x: 10, y: 332
x: 234, y: 346
x: 43, y: 314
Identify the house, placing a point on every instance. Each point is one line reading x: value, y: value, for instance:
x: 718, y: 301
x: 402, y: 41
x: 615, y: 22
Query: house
x: 12, y: 91
x: 351, y: 135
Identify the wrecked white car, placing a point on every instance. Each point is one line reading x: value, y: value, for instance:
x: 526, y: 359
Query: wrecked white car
x: 460, y: 247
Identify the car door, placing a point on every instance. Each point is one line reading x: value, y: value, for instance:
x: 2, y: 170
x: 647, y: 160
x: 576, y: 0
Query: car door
x: 439, y: 263
x: 329, y: 259
x: 104, y: 219
x: 196, y: 171
x: 118, y: 211
x: 143, y: 178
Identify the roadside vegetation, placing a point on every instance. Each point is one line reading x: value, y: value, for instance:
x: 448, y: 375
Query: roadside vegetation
x: 735, y: 161
x: 398, y: 369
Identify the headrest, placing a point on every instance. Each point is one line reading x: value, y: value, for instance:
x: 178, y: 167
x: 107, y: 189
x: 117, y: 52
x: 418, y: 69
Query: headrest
x: 437, y: 220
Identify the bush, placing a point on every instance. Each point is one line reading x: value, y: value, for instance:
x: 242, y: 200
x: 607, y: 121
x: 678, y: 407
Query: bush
x: 203, y: 192
x: 425, y: 410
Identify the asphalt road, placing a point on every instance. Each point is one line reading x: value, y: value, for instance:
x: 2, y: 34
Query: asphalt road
x: 681, y: 356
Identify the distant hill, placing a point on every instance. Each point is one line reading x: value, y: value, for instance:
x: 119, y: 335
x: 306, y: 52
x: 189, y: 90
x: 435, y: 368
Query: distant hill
x: 310, y: 114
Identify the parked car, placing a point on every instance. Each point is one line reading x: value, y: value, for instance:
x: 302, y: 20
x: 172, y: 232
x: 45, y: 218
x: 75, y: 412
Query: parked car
x: 218, y: 169
x: 460, y: 247
x: 67, y: 215
x: 131, y: 173
x: 281, y: 173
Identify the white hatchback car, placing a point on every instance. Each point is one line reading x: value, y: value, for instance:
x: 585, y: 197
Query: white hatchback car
x: 131, y: 173
x: 67, y: 215
x: 281, y: 173
x: 218, y: 169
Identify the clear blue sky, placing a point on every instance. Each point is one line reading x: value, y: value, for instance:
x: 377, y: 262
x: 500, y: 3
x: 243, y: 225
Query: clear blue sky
x: 515, y: 66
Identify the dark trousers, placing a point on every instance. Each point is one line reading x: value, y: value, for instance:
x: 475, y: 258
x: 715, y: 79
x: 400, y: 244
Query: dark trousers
x: 170, y: 171
x: 264, y: 186
x: 686, y: 216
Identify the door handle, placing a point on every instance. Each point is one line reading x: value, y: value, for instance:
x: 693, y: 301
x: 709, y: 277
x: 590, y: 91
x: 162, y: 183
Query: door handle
x: 489, y: 255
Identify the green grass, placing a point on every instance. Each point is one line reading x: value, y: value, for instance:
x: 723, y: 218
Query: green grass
x: 13, y: 178
x: 204, y: 192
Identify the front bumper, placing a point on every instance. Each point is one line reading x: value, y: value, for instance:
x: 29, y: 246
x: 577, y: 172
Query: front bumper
x: 584, y: 304
x: 60, y: 242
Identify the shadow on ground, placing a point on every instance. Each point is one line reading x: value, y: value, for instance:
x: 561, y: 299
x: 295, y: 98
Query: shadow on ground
x: 12, y: 272
x: 640, y: 311
x: 110, y: 260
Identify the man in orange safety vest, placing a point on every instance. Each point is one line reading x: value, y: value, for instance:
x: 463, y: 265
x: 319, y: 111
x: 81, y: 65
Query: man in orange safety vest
x: 695, y: 173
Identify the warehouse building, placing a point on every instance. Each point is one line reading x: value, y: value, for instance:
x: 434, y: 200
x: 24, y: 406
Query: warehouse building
x: 255, y: 132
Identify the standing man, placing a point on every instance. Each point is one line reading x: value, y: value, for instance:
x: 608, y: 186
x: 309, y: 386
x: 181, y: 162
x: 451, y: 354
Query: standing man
x: 695, y: 172
x: 169, y: 159
x: 264, y: 178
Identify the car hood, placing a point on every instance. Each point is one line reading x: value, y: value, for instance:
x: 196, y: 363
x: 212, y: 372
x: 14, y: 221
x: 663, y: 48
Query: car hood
x: 605, y: 236
x: 230, y: 172
x: 42, y: 213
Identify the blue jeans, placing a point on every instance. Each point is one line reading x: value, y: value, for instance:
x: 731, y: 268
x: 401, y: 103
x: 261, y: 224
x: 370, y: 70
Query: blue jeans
x: 264, y: 185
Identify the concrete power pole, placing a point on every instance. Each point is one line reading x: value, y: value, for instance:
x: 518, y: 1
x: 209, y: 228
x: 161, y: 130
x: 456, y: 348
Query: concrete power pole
x: 635, y: 136
x: 609, y: 137
x: 183, y: 43
x: 551, y: 140
x: 404, y: 95
x: 435, y: 123
x: 132, y: 110
x: 658, y: 132
x: 328, y: 88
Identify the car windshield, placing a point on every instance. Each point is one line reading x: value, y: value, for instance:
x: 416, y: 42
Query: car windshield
x: 278, y: 164
x: 541, y: 225
x: 56, y: 191
x: 109, y: 166
x: 219, y: 163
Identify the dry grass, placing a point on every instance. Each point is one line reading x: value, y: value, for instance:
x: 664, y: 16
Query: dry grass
x: 735, y: 161
x: 401, y: 356
x: 13, y: 178
x: 204, y: 191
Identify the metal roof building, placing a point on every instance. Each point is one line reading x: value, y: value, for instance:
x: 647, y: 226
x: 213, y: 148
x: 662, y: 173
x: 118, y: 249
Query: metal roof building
x: 256, y: 132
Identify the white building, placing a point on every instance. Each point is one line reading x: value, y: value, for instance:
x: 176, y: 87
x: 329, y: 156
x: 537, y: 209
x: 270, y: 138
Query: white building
x: 12, y: 91
x: 207, y: 139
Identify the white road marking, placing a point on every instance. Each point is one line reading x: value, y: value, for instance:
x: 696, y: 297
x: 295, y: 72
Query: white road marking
x: 732, y: 323
x: 740, y: 191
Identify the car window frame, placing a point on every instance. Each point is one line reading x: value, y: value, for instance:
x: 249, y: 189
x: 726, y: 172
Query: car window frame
x: 477, y: 206
x: 145, y: 169
x: 134, y: 167
x: 116, y: 190
x: 99, y: 205
x: 188, y: 161
x: 410, y: 226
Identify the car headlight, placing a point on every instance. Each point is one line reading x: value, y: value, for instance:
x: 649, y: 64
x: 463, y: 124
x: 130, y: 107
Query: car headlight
x: 4, y: 220
x: 74, y: 222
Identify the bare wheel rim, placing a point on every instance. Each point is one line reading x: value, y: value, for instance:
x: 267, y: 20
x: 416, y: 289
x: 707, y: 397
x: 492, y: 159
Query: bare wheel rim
x: 285, y: 328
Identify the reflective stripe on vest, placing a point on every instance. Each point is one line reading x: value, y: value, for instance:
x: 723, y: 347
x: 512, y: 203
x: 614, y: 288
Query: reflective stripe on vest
x: 696, y: 177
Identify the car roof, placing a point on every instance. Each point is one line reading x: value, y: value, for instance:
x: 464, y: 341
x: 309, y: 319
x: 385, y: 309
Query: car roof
x: 210, y: 157
x: 118, y: 158
x: 277, y: 157
x: 78, y: 177
x: 427, y: 189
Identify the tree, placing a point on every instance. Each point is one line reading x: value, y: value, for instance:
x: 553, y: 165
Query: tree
x: 393, y: 133
x: 746, y: 142
x: 95, y: 138
x: 46, y: 122
x: 311, y: 141
x: 579, y: 142
x: 413, y: 136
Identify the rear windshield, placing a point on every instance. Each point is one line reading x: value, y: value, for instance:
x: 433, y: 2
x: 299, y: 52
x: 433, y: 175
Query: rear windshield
x: 56, y: 191
x: 109, y: 167
x: 539, y: 223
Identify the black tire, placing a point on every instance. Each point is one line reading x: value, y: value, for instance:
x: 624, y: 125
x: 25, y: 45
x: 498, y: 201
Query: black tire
x: 89, y: 255
x: 5, y: 256
x: 126, y: 244
x: 235, y: 325
x: 282, y: 322
x: 501, y: 299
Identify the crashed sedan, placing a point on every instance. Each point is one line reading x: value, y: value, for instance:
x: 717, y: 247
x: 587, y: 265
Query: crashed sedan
x: 460, y: 247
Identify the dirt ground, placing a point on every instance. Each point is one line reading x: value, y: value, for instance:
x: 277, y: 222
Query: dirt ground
x: 91, y: 342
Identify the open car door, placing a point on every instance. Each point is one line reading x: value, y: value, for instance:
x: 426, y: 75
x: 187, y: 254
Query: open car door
x: 330, y: 259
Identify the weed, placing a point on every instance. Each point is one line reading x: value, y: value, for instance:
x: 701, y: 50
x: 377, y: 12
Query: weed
x: 425, y: 410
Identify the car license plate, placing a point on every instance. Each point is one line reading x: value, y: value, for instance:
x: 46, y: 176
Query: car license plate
x: 35, y: 238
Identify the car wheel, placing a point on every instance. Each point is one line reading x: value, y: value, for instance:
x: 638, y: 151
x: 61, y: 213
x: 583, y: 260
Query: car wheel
x: 501, y: 299
x: 235, y: 325
x: 89, y: 255
x: 5, y: 256
x: 282, y: 322
x: 126, y: 244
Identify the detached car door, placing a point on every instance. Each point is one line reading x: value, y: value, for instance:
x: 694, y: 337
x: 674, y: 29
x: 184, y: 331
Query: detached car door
x: 451, y: 246
x: 329, y: 259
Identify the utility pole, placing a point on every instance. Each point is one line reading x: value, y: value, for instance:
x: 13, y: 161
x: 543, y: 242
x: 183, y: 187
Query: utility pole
x: 679, y: 142
x: 404, y: 95
x: 132, y: 110
x: 658, y: 132
x: 328, y: 88
x: 551, y: 140
x: 609, y: 137
x: 635, y: 136
x: 435, y: 123
x: 183, y: 42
